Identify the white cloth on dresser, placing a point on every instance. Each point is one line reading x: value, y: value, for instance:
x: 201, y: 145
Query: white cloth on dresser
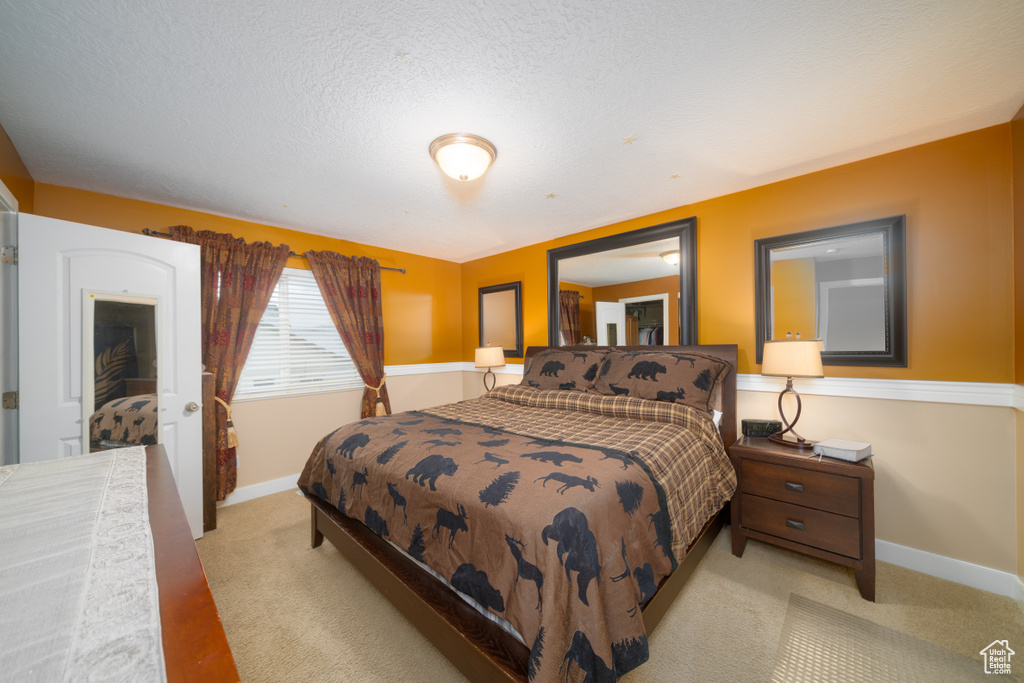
x: 78, y: 593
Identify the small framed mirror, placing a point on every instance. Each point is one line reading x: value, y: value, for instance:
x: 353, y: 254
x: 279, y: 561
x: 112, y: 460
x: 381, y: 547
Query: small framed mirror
x: 844, y: 285
x: 501, y: 318
x: 120, y: 396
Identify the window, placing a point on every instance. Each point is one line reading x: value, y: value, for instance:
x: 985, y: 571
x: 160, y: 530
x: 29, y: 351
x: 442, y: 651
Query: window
x: 297, y: 349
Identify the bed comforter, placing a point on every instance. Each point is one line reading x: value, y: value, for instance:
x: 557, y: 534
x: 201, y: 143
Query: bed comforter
x: 559, y: 511
x: 131, y: 420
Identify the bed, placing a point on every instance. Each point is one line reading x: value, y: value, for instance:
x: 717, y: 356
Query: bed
x: 542, y: 530
x: 85, y: 568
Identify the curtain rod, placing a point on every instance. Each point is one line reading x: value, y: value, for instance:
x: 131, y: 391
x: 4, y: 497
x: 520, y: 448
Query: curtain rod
x: 147, y: 231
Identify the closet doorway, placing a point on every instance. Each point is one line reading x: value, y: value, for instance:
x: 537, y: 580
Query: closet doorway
x: 647, y: 319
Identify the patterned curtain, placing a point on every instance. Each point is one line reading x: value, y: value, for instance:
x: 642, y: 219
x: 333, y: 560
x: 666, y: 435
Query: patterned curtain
x: 351, y: 289
x: 237, y: 280
x: 569, y: 303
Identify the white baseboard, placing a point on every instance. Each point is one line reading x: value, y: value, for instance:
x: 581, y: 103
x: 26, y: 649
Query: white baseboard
x: 1019, y: 593
x: 958, y: 571
x: 264, y: 488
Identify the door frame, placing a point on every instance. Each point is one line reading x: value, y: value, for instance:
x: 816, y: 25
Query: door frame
x: 8, y: 327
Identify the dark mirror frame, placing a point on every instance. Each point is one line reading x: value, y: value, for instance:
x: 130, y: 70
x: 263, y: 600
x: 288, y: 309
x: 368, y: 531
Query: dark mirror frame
x: 684, y: 230
x: 516, y: 287
x: 894, y: 273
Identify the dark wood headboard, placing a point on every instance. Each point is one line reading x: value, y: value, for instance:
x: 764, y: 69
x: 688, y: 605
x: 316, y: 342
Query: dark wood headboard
x: 727, y: 352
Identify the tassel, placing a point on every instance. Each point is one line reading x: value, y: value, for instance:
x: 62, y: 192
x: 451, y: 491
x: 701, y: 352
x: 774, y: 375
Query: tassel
x: 232, y: 434
x: 379, y: 409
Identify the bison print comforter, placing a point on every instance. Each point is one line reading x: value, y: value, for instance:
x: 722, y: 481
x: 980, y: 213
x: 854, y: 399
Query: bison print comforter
x: 559, y: 511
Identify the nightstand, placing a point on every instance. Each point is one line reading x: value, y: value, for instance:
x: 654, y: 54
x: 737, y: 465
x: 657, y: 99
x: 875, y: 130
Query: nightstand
x: 823, y: 509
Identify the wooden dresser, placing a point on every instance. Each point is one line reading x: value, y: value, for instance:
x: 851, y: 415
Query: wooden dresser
x: 823, y: 508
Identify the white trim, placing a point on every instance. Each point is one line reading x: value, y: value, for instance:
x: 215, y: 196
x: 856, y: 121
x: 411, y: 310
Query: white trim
x: 1018, y: 593
x: 967, y: 393
x: 423, y: 368
x: 264, y: 488
x: 429, y: 368
x: 958, y: 571
x: 1018, y: 396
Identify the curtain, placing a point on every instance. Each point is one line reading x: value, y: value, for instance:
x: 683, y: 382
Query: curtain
x: 351, y: 289
x: 569, y: 303
x: 236, y: 281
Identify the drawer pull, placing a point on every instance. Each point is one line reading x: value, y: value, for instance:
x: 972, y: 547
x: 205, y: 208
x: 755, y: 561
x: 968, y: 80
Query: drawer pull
x: 795, y: 525
x: 794, y: 487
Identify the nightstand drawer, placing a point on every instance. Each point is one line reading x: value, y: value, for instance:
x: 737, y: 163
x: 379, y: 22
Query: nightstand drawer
x: 835, y: 533
x: 817, y: 490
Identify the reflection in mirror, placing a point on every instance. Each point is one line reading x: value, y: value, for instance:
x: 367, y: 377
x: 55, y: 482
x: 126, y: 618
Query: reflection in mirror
x: 501, y: 318
x: 831, y: 291
x: 119, y: 389
x: 841, y: 285
x: 626, y: 289
x: 631, y: 287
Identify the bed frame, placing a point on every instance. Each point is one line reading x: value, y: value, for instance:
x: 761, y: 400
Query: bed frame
x: 478, y: 647
x: 195, y: 647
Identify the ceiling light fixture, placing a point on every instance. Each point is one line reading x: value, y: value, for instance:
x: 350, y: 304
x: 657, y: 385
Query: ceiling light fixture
x: 463, y: 156
x: 671, y: 257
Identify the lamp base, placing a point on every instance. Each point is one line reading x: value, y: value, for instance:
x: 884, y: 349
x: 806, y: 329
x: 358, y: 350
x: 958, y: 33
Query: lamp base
x: 494, y: 380
x: 801, y: 444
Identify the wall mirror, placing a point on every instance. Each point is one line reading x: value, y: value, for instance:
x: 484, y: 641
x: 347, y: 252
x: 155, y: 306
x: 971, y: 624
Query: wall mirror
x: 120, y: 398
x: 634, y: 288
x: 845, y: 285
x: 501, y: 318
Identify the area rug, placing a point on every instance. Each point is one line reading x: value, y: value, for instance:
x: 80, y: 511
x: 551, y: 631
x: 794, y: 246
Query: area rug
x: 819, y: 643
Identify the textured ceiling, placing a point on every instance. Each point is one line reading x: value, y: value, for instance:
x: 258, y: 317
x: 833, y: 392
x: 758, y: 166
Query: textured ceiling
x: 316, y: 115
x: 616, y: 266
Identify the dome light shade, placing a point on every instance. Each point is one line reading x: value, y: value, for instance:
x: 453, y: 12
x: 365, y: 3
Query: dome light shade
x: 463, y: 156
x: 671, y: 257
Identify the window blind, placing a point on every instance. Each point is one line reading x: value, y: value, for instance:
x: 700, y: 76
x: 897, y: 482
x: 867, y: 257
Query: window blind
x: 297, y: 349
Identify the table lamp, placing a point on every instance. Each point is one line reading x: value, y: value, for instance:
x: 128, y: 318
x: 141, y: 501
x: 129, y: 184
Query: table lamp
x: 490, y: 357
x: 791, y: 358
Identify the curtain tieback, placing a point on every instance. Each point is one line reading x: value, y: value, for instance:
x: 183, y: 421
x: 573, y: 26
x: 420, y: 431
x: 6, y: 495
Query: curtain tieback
x: 229, y: 426
x: 379, y: 410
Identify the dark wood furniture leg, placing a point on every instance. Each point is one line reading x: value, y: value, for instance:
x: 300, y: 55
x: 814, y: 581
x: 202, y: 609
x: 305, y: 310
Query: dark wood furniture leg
x: 317, y: 537
x: 739, y: 540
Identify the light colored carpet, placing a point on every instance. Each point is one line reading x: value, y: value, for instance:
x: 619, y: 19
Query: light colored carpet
x: 820, y: 643
x: 292, y: 613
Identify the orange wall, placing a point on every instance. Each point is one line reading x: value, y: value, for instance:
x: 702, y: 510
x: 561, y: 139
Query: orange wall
x: 422, y: 308
x: 793, y: 282
x: 657, y: 285
x: 957, y: 196
x: 15, y: 175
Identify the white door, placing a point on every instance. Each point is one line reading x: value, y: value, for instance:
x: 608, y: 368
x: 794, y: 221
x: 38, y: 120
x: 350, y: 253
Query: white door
x: 61, y: 266
x: 611, y: 323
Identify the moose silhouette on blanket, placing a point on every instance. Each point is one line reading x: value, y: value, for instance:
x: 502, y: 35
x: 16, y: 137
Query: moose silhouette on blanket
x: 556, y: 537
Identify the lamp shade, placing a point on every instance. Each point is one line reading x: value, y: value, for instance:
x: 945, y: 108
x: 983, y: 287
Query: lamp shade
x: 792, y: 358
x: 463, y: 156
x: 490, y: 357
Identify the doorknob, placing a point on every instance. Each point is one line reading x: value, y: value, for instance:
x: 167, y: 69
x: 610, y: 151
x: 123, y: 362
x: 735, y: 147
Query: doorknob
x: 191, y: 406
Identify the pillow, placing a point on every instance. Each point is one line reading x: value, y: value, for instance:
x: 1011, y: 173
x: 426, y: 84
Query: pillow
x: 688, y: 378
x: 558, y: 369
